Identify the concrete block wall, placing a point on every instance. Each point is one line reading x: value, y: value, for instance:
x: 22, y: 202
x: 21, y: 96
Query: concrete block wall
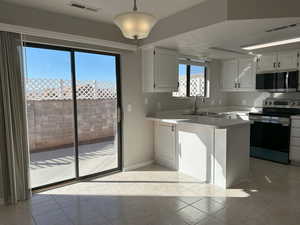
x: 51, y: 122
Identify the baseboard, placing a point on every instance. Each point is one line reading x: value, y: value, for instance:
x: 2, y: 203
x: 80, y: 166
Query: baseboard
x: 138, y: 165
x: 295, y: 163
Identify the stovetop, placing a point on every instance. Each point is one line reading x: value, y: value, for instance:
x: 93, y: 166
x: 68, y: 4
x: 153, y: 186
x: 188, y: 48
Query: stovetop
x: 274, y: 114
x: 279, y: 108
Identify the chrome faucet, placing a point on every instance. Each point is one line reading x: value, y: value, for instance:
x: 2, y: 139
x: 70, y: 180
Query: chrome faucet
x: 195, y: 108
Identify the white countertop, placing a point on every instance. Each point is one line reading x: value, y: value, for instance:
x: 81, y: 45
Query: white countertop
x: 180, y: 117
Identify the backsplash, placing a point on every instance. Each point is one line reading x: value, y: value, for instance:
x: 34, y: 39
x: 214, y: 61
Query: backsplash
x: 255, y: 99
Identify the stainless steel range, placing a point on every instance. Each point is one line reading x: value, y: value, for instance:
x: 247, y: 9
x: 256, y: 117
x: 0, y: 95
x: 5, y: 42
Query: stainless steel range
x: 271, y: 128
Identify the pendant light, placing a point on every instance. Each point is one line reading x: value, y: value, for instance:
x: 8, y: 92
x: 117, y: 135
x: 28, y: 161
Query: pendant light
x: 135, y: 25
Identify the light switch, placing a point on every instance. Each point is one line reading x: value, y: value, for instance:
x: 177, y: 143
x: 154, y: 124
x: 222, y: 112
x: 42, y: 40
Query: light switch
x: 129, y: 107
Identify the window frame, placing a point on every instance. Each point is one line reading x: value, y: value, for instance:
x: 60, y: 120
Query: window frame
x: 188, y: 80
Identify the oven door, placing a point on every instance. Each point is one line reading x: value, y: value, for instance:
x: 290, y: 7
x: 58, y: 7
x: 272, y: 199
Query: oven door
x: 270, y: 140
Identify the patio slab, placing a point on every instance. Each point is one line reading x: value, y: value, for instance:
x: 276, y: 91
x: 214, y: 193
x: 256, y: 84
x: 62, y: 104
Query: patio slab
x: 59, y: 164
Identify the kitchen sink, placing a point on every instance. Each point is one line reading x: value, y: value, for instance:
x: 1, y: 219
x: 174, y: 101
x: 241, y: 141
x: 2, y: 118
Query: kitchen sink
x: 215, y: 115
x: 202, y: 114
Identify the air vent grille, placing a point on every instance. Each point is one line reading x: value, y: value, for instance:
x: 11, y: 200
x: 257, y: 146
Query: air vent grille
x: 282, y: 27
x: 84, y: 7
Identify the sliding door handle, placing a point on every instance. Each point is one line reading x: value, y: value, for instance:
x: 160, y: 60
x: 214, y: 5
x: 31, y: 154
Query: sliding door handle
x: 119, y: 114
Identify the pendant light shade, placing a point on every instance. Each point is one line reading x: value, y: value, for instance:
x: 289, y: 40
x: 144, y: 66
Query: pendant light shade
x: 135, y: 25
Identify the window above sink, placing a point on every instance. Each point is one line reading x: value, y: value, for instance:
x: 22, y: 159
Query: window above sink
x: 192, y: 81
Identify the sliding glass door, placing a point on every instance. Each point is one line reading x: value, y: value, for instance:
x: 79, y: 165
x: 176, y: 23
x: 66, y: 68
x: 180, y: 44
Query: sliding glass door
x: 72, y: 104
x: 96, y: 85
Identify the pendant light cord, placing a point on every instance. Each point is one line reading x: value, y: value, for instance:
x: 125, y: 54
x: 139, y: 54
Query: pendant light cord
x: 134, y: 5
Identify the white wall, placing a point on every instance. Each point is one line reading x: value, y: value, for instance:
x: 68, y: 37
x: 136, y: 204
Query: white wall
x: 138, y: 134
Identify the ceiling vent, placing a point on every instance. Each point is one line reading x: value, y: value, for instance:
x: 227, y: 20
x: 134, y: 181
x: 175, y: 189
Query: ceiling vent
x: 84, y: 7
x: 282, y: 27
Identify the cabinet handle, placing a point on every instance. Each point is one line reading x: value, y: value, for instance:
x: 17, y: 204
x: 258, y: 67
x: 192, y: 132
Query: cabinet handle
x: 239, y: 85
x: 279, y: 65
x: 274, y: 65
x: 234, y: 85
x: 172, y: 128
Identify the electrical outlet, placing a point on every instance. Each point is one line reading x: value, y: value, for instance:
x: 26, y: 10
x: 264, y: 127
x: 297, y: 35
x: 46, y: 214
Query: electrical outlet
x: 158, y: 105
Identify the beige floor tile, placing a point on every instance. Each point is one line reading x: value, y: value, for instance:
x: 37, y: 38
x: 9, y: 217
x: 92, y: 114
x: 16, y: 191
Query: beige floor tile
x: 208, y: 205
x: 158, y: 196
x: 191, y: 215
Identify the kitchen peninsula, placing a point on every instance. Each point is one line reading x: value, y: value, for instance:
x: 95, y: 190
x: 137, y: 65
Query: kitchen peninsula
x: 212, y: 147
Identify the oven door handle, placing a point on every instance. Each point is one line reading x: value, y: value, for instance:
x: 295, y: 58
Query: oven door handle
x: 284, y: 124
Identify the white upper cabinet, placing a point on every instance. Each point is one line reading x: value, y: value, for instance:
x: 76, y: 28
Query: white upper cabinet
x: 246, y: 74
x: 229, y: 74
x: 267, y: 62
x: 160, y: 70
x: 238, y: 74
x: 286, y: 60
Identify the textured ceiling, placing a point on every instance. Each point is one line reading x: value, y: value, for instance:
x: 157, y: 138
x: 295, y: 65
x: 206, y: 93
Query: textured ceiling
x: 108, y: 9
x: 212, y: 41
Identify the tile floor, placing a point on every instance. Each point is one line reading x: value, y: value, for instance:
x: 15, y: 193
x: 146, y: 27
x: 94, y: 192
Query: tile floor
x: 157, y: 196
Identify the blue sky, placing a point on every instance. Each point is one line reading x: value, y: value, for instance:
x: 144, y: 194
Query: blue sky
x: 194, y: 69
x: 45, y: 63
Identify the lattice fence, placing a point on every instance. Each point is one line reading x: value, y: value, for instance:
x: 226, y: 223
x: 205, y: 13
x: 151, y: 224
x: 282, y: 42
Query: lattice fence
x: 197, y: 86
x: 58, y: 89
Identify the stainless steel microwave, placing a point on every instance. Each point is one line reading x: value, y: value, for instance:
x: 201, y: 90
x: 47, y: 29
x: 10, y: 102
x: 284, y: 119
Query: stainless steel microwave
x: 277, y: 82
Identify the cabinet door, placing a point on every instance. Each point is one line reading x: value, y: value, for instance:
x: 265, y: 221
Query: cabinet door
x: 195, y: 151
x: 246, y: 74
x: 165, y: 145
x: 165, y: 70
x: 229, y: 74
x: 287, y: 60
x: 267, y: 62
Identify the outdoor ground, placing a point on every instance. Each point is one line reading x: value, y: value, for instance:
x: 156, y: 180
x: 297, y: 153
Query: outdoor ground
x: 57, y: 165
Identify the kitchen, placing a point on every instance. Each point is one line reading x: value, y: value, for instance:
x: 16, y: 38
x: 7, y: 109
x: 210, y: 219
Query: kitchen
x: 259, y: 87
x: 136, y: 112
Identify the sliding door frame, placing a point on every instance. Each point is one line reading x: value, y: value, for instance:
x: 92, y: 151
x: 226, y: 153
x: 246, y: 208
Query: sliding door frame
x: 119, y: 110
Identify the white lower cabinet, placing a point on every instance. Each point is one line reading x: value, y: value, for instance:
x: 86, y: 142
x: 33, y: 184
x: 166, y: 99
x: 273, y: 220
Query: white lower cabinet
x: 195, y: 156
x: 165, y: 144
x: 295, y: 141
x: 211, y: 155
